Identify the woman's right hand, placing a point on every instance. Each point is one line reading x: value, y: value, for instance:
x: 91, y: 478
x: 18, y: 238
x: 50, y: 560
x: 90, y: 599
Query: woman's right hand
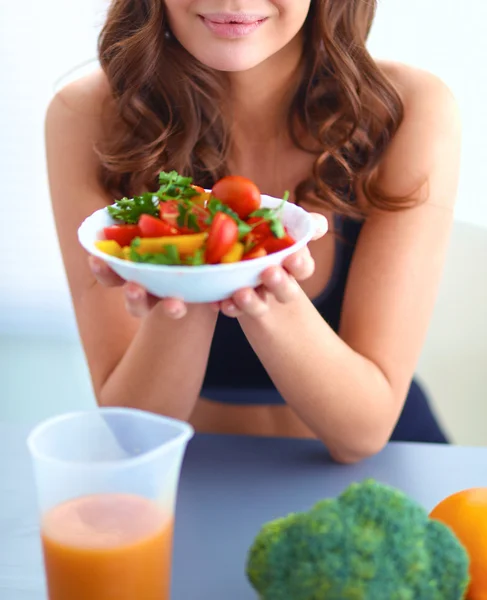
x: 137, y: 300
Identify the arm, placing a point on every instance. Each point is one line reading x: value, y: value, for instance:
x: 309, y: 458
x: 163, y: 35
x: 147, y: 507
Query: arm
x: 155, y: 363
x: 350, y: 388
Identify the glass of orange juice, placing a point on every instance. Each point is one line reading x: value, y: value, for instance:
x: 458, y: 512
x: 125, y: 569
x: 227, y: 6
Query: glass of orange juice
x: 107, y: 483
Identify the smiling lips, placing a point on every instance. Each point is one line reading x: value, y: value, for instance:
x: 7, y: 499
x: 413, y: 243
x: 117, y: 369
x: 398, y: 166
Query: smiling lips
x: 232, y: 26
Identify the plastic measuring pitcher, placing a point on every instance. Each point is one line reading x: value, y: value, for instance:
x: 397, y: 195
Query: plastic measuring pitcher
x: 107, y: 483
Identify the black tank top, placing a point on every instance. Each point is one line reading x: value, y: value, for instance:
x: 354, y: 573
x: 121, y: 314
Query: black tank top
x: 235, y: 374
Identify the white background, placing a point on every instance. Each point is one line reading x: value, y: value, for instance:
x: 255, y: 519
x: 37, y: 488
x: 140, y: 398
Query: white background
x: 42, y: 40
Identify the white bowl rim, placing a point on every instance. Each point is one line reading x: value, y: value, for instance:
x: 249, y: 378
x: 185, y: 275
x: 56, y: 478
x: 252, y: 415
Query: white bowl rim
x: 218, y: 268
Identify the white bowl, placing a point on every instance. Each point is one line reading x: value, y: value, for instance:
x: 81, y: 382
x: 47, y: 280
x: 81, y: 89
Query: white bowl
x: 205, y: 283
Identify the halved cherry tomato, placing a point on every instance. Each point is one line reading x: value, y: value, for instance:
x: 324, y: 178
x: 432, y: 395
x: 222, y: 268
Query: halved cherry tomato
x: 222, y: 236
x: 153, y: 227
x: 238, y: 193
x: 273, y: 244
x: 260, y: 231
x: 122, y: 234
x: 169, y: 212
x: 255, y: 253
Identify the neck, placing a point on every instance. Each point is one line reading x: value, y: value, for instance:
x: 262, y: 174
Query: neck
x: 261, y: 97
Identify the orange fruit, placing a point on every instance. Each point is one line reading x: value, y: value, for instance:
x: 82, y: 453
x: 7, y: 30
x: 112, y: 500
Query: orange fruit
x: 466, y: 514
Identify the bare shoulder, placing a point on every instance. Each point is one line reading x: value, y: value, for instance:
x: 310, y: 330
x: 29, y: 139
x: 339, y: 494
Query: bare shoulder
x: 84, y: 101
x: 429, y: 138
x: 419, y: 87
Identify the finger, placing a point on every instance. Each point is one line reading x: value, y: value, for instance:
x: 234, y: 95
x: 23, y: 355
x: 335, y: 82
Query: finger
x: 174, y: 308
x: 230, y: 309
x: 321, y: 226
x: 250, y: 302
x: 300, y: 265
x: 137, y: 301
x: 103, y: 273
x: 280, y: 284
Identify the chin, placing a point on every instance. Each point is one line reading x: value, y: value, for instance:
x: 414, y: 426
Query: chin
x: 228, y: 59
x: 231, y: 66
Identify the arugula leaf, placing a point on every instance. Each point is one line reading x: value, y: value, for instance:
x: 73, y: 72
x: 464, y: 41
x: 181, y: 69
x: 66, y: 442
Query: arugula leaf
x: 265, y: 213
x: 243, y: 229
x: 129, y: 210
x: 215, y: 205
x: 277, y: 228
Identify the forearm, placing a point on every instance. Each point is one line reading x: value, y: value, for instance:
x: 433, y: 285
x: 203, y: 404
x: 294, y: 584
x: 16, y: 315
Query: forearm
x: 164, y: 366
x: 343, y: 397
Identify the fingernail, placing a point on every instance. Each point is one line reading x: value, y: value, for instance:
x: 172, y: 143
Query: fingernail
x: 95, y: 266
x: 175, y: 312
x: 134, y: 294
x: 322, y: 226
x: 298, y: 262
x: 232, y: 308
x: 275, y: 277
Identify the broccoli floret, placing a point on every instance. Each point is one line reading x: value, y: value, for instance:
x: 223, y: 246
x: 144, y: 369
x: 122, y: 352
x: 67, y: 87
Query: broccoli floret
x: 373, y: 542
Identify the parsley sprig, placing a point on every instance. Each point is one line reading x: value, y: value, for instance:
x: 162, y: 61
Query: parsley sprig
x: 129, y: 210
x: 172, y: 186
x: 175, y: 187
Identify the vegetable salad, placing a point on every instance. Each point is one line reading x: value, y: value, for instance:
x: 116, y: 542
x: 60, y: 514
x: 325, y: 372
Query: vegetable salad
x: 182, y: 224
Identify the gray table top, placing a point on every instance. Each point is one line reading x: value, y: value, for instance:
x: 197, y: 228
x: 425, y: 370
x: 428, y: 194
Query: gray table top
x: 229, y: 487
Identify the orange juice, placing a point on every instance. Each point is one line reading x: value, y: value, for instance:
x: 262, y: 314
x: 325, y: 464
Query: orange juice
x: 108, y: 547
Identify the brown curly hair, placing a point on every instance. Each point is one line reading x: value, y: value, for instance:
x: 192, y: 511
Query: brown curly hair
x: 169, y: 105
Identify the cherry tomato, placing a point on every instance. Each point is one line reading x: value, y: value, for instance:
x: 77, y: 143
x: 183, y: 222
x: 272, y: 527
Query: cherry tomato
x: 238, y: 193
x: 122, y: 234
x: 222, y: 236
x: 169, y: 212
x: 153, y: 227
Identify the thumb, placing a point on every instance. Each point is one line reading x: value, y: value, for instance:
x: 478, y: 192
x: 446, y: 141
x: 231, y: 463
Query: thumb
x: 321, y: 225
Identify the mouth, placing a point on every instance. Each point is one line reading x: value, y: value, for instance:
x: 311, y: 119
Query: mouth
x: 233, y: 19
x: 232, y: 26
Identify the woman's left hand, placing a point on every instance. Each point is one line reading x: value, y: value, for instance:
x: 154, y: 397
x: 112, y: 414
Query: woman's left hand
x: 280, y: 282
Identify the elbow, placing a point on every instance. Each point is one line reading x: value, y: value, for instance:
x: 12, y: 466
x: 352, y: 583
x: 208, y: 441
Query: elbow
x: 352, y: 457
x: 358, y: 450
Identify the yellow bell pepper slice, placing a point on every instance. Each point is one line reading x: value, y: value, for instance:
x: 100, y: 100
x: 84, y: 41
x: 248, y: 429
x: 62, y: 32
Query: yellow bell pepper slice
x: 126, y: 252
x: 202, y: 199
x: 235, y: 254
x: 186, y: 244
x: 110, y: 247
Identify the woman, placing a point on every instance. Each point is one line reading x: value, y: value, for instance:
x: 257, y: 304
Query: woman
x: 282, y: 92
